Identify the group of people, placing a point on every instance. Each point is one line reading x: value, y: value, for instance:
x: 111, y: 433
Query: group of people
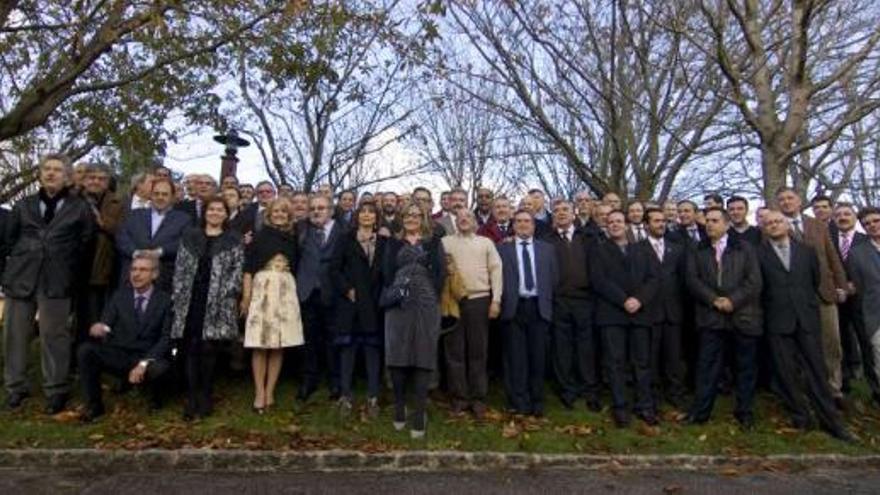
x: 653, y: 302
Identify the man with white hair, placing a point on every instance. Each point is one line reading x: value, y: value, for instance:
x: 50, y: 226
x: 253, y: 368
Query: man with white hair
x: 47, y: 235
x: 205, y: 187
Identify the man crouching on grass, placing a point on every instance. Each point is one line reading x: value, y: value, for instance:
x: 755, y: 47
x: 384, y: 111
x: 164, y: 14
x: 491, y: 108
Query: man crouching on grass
x: 132, y: 338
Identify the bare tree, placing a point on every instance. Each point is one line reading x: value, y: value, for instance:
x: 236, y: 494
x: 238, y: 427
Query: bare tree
x: 799, y: 73
x: 624, y: 101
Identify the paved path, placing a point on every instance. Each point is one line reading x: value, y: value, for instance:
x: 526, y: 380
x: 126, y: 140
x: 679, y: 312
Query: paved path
x: 452, y: 483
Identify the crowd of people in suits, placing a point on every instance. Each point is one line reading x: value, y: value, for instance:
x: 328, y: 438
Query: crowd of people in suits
x: 656, y: 303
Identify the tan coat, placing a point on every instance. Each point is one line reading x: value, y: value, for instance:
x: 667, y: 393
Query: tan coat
x: 831, y: 271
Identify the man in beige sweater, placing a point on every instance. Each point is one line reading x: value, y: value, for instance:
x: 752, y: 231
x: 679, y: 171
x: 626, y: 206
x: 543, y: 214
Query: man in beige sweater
x: 466, y: 347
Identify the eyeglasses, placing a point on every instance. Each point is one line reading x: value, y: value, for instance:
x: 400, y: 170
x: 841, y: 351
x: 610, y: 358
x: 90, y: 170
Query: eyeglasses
x: 318, y: 208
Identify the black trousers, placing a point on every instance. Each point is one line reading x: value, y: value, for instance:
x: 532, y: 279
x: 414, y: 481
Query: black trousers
x: 800, y: 368
x: 94, y: 358
x: 710, y: 365
x: 320, y: 355
x: 89, y: 306
x: 372, y: 362
x: 409, y: 380
x: 616, y: 340
x: 200, y: 360
x: 667, y: 365
x: 524, y: 358
x: 574, y: 349
x: 467, y: 352
x: 863, y: 335
x: 848, y: 318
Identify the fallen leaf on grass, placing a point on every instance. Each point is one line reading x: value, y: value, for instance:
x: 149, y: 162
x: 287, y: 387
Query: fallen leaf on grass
x: 574, y: 430
x: 648, y: 430
x: 96, y: 436
x: 510, y: 430
x: 787, y: 431
x: 703, y: 437
x: 731, y: 471
x: 67, y: 416
x: 672, y: 489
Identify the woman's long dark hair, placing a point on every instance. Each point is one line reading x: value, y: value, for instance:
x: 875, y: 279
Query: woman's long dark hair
x: 203, y: 223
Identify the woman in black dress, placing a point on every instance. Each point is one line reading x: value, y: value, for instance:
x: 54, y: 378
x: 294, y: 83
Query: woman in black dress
x: 414, y: 266
x: 207, y: 285
x: 357, y: 269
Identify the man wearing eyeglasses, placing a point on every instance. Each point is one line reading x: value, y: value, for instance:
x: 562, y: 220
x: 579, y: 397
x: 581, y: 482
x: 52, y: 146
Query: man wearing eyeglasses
x: 483, y: 211
x: 265, y: 193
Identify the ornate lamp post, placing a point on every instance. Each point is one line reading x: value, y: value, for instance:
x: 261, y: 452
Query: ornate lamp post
x: 229, y: 160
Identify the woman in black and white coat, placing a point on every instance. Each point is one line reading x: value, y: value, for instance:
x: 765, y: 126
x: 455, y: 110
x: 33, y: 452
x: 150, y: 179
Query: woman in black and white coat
x: 207, y: 285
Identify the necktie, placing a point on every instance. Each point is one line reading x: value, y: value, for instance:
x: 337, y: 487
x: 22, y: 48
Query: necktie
x: 528, y: 276
x: 695, y: 235
x: 640, y: 233
x: 322, y: 236
x: 564, y: 235
x: 198, y: 208
x: 719, y: 251
x: 658, y: 248
x: 796, y: 227
x: 139, y: 306
x: 785, y: 256
x: 845, y: 244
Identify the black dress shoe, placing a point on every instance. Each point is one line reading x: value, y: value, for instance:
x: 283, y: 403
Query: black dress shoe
x: 649, y: 418
x: 91, y: 414
x: 690, y: 419
x: 16, y: 399
x: 593, y: 404
x: 621, y: 418
x: 747, y: 423
x: 304, y: 393
x: 843, y: 435
x: 842, y: 405
x: 566, y: 402
x: 55, y: 404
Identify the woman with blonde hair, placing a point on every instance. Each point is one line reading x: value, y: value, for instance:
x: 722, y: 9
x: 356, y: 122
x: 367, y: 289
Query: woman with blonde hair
x: 269, y: 299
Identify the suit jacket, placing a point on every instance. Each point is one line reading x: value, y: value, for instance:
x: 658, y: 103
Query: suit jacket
x: 546, y: 278
x: 857, y: 238
x: 188, y: 206
x: 668, y: 305
x: 313, y: 266
x: 832, y: 273
x: 680, y: 234
x: 631, y: 235
x: 135, y: 234
x: 4, y: 251
x: 479, y: 218
x: 739, y: 280
x: 491, y: 230
x: 589, y: 227
x: 102, y: 251
x: 448, y: 224
x: 789, y: 296
x: 148, y: 336
x: 46, y: 259
x: 351, y: 269
x: 752, y: 235
x: 616, y: 276
x: 863, y: 265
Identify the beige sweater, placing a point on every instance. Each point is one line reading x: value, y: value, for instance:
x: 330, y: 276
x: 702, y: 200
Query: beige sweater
x: 478, y: 263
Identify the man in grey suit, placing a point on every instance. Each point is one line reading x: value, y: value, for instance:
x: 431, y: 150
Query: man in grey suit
x: 45, y: 239
x: 530, y: 275
x: 863, y: 266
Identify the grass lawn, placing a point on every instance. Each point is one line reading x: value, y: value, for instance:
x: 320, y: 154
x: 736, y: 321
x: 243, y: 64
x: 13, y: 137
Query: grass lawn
x: 317, y: 425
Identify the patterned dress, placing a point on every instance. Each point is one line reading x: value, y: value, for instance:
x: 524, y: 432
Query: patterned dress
x: 273, y: 320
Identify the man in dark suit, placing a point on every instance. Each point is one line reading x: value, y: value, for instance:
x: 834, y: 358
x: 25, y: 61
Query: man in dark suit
x: 724, y: 279
x: 157, y: 229
x: 46, y: 237
x: 688, y: 231
x: 738, y: 209
x: 4, y: 220
x: 131, y: 340
x: 205, y: 188
x: 314, y: 286
x: 790, y: 273
x: 844, y: 237
x: 253, y: 214
x: 625, y: 282
x: 573, y: 343
x: 345, y: 207
x: 667, y: 365
x: 530, y: 275
x: 832, y: 286
x: 863, y: 266
x: 500, y: 226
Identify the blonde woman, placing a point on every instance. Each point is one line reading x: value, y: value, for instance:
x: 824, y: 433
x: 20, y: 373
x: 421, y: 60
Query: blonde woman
x: 269, y: 299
